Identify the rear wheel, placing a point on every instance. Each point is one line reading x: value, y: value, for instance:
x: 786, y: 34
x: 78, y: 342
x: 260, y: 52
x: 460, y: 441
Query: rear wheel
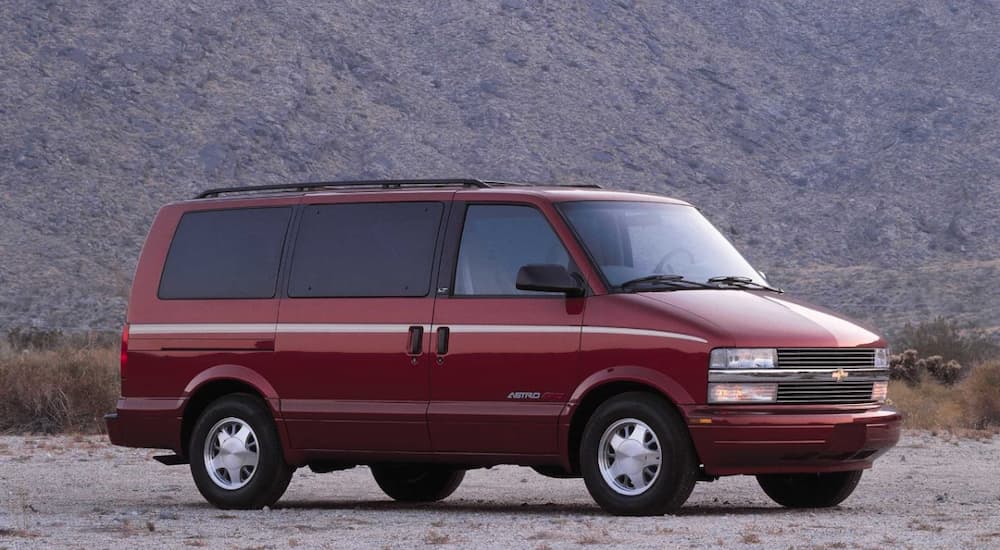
x: 809, y: 490
x: 417, y: 482
x: 636, y: 457
x: 235, y: 454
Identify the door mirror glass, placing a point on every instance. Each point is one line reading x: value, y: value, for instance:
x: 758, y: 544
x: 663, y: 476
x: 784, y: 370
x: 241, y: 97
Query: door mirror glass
x: 548, y: 278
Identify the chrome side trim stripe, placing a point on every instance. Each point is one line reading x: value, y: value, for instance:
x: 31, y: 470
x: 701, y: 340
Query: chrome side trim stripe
x: 202, y: 328
x: 495, y: 329
x: 343, y: 328
x: 643, y: 332
x: 359, y: 328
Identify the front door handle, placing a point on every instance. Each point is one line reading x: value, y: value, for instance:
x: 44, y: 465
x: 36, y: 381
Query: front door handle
x: 416, y: 340
x: 443, y: 333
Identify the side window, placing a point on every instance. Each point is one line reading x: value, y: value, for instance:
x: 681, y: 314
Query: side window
x: 220, y: 254
x: 365, y: 250
x: 496, y: 241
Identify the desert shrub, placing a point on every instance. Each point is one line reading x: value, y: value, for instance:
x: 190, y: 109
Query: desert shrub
x: 945, y: 372
x: 34, y: 339
x: 21, y: 339
x: 966, y: 345
x: 906, y: 367
x: 912, y: 369
x: 58, y: 390
x: 981, y: 394
x: 972, y: 403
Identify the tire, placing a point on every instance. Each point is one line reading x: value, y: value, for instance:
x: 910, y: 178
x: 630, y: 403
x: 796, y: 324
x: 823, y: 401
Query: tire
x: 809, y: 490
x: 417, y: 482
x: 659, y: 469
x: 237, y: 434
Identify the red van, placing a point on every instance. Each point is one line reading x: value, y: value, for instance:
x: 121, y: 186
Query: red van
x: 427, y: 327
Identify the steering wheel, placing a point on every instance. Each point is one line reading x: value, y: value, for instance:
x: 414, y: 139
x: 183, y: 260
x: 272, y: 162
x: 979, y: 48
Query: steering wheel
x: 665, y: 260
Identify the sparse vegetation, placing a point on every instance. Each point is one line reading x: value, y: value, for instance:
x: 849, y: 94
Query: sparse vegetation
x: 971, y: 404
x: 51, y: 383
x: 948, y: 339
x: 909, y: 367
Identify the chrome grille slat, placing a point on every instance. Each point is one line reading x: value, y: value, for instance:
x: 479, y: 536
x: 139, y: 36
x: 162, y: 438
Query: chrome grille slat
x: 833, y: 358
x: 825, y: 392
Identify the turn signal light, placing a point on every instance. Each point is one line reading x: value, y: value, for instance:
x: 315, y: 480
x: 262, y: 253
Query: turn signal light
x: 742, y: 393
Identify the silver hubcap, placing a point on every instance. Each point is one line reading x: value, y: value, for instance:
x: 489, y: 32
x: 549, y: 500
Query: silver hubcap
x: 231, y: 453
x: 629, y: 457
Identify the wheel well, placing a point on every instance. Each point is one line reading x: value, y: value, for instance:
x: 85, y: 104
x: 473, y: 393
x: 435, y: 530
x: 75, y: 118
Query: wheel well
x: 203, y: 397
x: 590, y: 403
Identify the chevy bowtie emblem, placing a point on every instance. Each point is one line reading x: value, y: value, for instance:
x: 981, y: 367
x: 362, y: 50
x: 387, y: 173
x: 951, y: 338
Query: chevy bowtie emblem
x: 840, y: 374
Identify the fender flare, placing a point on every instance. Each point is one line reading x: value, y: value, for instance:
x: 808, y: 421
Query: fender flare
x: 646, y: 376
x: 240, y: 374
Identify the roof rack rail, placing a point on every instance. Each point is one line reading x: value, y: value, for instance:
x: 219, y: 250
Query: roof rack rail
x: 492, y: 183
x: 384, y: 184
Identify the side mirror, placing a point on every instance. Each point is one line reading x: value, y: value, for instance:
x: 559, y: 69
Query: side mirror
x: 549, y: 278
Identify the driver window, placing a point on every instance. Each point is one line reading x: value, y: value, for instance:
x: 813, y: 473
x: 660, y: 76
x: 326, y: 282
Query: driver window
x: 496, y: 241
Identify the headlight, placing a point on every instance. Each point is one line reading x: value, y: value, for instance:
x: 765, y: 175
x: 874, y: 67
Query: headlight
x: 743, y: 358
x: 742, y: 393
x: 881, y: 358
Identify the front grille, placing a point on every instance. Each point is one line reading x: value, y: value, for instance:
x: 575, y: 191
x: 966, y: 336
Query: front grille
x: 826, y: 358
x: 825, y: 392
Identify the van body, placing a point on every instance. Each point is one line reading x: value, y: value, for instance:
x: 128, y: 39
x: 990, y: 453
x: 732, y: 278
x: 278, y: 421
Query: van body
x: 424, y: 328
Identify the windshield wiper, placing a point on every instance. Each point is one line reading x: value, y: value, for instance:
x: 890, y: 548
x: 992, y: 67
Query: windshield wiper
x: 665, y: 282
x: 743, y: 282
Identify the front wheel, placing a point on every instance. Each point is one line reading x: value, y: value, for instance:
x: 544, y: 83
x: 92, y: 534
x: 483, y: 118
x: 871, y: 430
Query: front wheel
x: 636, y: 457
x: 809, y: 490
x: 235, y: 454
x: 417, y: 482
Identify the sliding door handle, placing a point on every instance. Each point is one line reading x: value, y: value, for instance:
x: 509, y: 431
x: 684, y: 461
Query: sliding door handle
x: 416, y: 340
x: 443, y: 333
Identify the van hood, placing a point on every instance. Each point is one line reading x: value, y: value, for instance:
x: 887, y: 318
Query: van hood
x: 764, y: 319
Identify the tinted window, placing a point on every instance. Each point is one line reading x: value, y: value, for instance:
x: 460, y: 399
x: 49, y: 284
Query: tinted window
x: 367, y: 249
x: 496, y: 241
x: 225, y: 254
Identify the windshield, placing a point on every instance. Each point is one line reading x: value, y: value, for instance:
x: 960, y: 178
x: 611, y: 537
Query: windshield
x: 631, y: 240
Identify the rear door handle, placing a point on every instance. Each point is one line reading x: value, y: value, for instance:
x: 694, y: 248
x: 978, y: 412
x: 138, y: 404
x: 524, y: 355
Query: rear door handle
x: 442, y: 340
x: 416, y: 340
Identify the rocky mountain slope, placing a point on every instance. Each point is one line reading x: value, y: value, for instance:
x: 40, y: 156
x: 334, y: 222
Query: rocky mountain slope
x: 851, y: 149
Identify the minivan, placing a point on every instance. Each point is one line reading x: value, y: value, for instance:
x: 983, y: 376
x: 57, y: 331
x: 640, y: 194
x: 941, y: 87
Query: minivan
x: 427, y: 327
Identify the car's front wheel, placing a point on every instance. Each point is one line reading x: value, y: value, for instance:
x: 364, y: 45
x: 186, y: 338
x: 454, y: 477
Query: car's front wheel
x: 809, y: 490
x: 417, y: 482
x: 235, y: 454
x: 636, y: 456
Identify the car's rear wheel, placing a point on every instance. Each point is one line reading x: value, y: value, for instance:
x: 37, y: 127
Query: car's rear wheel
x: 809, y: 490
x: 636, y: 456
x: 235, y: 454
x: 417, y: 482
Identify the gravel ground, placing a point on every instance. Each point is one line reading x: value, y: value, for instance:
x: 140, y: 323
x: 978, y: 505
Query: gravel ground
x: 79, y: 492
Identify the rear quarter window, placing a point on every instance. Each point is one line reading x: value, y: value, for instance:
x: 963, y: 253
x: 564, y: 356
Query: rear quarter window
x: 225, y: 254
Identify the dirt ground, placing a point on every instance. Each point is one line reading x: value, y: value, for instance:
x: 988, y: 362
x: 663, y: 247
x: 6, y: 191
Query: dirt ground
x: 80, y: 492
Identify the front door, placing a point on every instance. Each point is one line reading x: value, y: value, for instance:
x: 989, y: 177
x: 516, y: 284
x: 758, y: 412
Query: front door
x: 353, y: 330
x: 505, y: 359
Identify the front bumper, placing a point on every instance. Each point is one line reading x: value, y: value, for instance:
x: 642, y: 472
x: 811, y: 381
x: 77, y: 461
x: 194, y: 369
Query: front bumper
x: 741, y: 440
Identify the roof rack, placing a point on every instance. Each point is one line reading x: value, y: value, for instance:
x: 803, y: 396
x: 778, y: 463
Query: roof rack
x: 383, y: 184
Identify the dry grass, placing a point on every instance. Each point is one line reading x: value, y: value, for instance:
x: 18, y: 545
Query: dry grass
x: 971, y: 405
x: 64, y: 390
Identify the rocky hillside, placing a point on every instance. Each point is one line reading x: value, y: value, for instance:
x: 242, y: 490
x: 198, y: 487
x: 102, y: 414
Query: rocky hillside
x: 851, y: 149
